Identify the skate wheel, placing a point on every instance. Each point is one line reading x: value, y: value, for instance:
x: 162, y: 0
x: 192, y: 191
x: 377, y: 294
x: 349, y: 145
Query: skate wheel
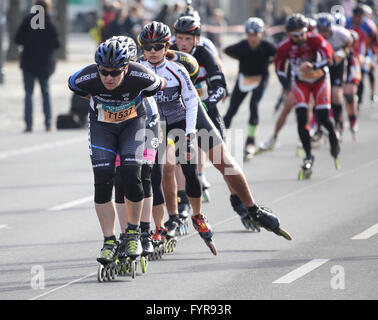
x: 101, y: 273
x: 301, y: 175
x: 133, y: 269
x: 143, y: 264
x: 284, y: 234
x: 113, y: 271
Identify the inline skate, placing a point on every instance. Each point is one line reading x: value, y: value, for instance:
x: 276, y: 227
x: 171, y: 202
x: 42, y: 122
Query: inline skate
x: 171, y: 232
x: 306, y: 170
x: 205, y: 231
x: 158, y: 240
x: 263, y: 217
x: 108, y: 269
x: 242, y: 211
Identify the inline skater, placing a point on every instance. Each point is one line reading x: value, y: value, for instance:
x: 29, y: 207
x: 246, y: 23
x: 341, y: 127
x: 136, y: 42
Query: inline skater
x: 340, y: 39
x: 254, y: 55
x: 178, y: 106
x: 352, y: 81
x: 216, y: 149
x: 188, y: 36
x: 309, y: 56
x: 367, y: 38
x: 116, y: 87
x: 152, y: 128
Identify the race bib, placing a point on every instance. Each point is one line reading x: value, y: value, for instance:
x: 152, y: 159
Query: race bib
x: 311, y: 75
x: 116, y: 114
x: 248, y: 83
x: 339, y: 56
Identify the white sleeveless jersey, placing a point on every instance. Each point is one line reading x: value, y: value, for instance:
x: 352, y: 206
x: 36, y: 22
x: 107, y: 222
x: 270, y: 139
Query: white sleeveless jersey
x: 178, y: 99
x: 340, y: 38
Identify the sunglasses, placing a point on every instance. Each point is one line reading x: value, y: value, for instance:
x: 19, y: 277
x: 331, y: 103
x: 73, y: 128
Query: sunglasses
x: 114, y: 73
x: 297, y: 34
x: 156, y: 46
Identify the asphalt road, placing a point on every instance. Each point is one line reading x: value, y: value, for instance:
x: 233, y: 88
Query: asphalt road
x: 50, y: 235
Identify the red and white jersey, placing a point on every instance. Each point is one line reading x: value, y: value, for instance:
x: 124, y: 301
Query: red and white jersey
x: 315, y: 50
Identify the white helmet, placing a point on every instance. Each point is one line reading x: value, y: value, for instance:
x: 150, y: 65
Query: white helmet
x: 254, y: 25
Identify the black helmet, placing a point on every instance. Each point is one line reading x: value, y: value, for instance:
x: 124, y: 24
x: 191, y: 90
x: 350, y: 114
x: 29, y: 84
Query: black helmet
x: 112, y: 54
x: 187, y: 25
x: 296, y: 21
x: 130, y: 43
x: 154, y: 32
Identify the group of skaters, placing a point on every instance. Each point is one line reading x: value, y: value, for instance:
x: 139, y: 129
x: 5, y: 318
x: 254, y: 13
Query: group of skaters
x: 154, y: 120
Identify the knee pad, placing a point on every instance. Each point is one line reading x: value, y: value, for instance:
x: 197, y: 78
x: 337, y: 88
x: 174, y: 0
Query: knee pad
x: 193, y: 185
x: 146, y: 180
x: 103, y: 184
x: 349, y: 97
x: 132, y: 182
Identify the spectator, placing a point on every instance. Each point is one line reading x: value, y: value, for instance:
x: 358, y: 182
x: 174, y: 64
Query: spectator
x: 133, y: 22
x: 38, y: 60
x: 171, y: 19
x: 163, y: 15
x: 115, y: 27
x: 218, y: 21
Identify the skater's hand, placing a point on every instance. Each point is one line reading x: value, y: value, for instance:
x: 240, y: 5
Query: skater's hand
x: 190, y: 151
x: 306, y: 66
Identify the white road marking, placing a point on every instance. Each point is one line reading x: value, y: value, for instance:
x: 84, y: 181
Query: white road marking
x: 301, y: 271
x: 63, y: 286
x: 2, y: 226
x: 368, y: 233
x: 36, y: 148
x: 366, y: 165
x: 71, y: 204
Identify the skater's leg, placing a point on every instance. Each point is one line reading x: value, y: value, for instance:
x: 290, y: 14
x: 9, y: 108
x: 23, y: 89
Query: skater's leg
x: 237, y: 98
x: 288, y: 105
x: 304, y: 130
x: 233, y: 175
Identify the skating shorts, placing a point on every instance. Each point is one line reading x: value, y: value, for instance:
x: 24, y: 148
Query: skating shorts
x: 321, y: 91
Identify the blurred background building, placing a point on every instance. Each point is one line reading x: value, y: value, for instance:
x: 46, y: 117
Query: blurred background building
x: 94, y: 17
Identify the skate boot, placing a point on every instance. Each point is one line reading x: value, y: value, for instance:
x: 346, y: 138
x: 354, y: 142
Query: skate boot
x: 242, y: 211
x: 148, y: 249
x: 184, y: 212
x: 121, y: 261
x: 249, y: 149
x: 205, y: 188
x: 107, y: 270
x: 171, y: 232
x: 267, y: 145
x: 264, y: 218
x: 306, y: 169
x: 335, y: 150
x: 354, y: 130
x: 133, y: 250
x: 158, y: 241
x: 205, y: 231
